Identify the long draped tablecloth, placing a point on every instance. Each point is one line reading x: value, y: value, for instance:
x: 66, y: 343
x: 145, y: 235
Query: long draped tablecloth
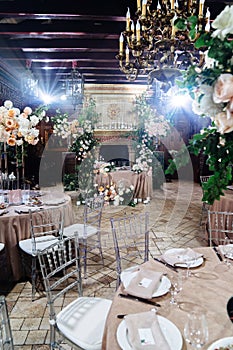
x: 142, y: 182
x: 15, y: 227
x: 225, y: 203
x: 210, y: 289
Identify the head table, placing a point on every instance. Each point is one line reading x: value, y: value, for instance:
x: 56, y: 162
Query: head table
x: 209, y: 287
x: 15, y: 226
x: 141, y: 182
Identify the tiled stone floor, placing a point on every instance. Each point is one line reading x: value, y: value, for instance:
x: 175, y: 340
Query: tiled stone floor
x: 175, y: 214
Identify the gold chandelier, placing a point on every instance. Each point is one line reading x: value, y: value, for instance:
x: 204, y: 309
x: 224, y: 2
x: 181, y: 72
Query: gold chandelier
x: 152, y: 42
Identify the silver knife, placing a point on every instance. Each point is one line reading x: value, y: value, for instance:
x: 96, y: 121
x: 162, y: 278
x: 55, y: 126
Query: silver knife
x: 142, y: 300
x: 166, y: 264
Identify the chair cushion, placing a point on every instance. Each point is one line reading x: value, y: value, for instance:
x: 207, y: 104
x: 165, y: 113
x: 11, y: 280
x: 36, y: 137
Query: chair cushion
x: 2, y: 245
x: 83, y: 321
x: 41, y: 243
x: 70, y: 230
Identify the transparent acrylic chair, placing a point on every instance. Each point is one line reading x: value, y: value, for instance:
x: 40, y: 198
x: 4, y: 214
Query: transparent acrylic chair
x: 220, y: 227
x: 89, y: 229
x: 46, y: 227
x: 131, y: 241
x: 6, y: 339
x: 205, y: 206
x: 81, y: 321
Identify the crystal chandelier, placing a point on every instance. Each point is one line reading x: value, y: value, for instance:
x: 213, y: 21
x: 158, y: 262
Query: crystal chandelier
x: 74, y: 86
x: 152, y: 45
x: 29, y: 84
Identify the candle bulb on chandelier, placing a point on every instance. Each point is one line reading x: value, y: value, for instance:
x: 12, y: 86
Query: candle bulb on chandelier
x: 207, y: 27
x: 128, y: 20
x: 201, y: 5
x: 172, y: 5
x: 139, y: 5
x: 127, y: 55
x: 144, y: 2
x: 138, y: 32
x: 121, y: 42
x: 132, y: 30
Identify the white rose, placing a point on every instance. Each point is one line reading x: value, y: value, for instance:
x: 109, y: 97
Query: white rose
x: 8, y: 104
x: 34, y: 120
x: 223, y: 23
x: 27, y: 110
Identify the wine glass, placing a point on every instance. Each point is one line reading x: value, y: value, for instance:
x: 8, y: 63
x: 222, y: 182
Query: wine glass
x: 189, y: 261
x: 196, y: 329
x: 226, y: 250
x: 176, y: 286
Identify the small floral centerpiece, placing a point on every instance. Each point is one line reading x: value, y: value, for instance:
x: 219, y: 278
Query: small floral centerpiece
x: 101, y: 167
x: 17, y: 127
x: 125, y: 194
x: 211, y: 88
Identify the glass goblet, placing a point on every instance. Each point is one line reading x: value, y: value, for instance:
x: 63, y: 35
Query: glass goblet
x: 176, y: 286
x: 226, y: 249
x: 196, y: 330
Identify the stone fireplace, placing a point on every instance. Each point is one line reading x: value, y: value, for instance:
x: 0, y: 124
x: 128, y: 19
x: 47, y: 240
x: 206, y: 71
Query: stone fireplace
x: 115, y: 148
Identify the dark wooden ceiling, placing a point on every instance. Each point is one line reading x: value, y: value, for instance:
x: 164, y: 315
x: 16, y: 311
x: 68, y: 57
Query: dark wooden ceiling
x: 52, y: 34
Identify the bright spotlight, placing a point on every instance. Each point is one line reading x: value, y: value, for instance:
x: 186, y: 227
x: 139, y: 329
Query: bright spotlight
x: 180, y: 100
x: 46, y: 98
x: 63, y: 97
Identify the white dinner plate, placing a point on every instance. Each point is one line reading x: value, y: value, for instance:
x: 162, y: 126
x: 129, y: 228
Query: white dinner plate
x: 179, y: 251
x: 169, y: 330
x: 228, y: 254
x: 163, y: 288
x: 221, y: 342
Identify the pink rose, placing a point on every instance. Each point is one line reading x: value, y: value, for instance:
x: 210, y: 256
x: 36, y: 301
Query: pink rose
x: 223, y: 123
x: 223, y: 88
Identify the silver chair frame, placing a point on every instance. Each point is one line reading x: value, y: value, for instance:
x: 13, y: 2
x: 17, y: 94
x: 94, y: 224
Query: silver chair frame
x: 220, y: 227
x: 6, y: 338
x: 130, y: 238
x: 49, y: 227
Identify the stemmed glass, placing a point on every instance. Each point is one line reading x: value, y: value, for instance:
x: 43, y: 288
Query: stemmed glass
x: 176, y: 286
x: 226, y: 250
x: 189, y: 261
x: 196, y: 330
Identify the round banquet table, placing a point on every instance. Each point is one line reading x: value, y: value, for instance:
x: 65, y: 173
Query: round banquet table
x: 210, y: 289
x: 15, y: 226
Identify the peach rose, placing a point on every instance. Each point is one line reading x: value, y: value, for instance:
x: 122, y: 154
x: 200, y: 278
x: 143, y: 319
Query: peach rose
x: 224, y: 125
x: 223, y: 88
x: 11, y: 141
x: 11, y: 113
x: 10, y: 123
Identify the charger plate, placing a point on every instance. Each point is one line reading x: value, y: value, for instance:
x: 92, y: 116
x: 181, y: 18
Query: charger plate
x: 169, y: 330
x: 223, y: 342
x: 163, y: 288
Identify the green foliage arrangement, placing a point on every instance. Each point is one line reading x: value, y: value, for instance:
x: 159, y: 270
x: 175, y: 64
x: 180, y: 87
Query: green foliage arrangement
x: 211, y: 90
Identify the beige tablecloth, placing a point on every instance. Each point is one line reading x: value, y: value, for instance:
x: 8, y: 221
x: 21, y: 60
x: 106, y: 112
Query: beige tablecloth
x: 225, y: 203
x: 142, y: 182
x: 15, y: 227
x: 210, y: 289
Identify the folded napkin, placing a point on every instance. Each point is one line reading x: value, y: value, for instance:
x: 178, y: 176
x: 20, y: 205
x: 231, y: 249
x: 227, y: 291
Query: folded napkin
x: 144, y: 283
x: 144, y: 332
x: 181, y: 256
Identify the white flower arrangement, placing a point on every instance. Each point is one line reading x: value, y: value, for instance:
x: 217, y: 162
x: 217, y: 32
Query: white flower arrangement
x: 144, y: 161
x: 16, y: 126
x: 157, y: 126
